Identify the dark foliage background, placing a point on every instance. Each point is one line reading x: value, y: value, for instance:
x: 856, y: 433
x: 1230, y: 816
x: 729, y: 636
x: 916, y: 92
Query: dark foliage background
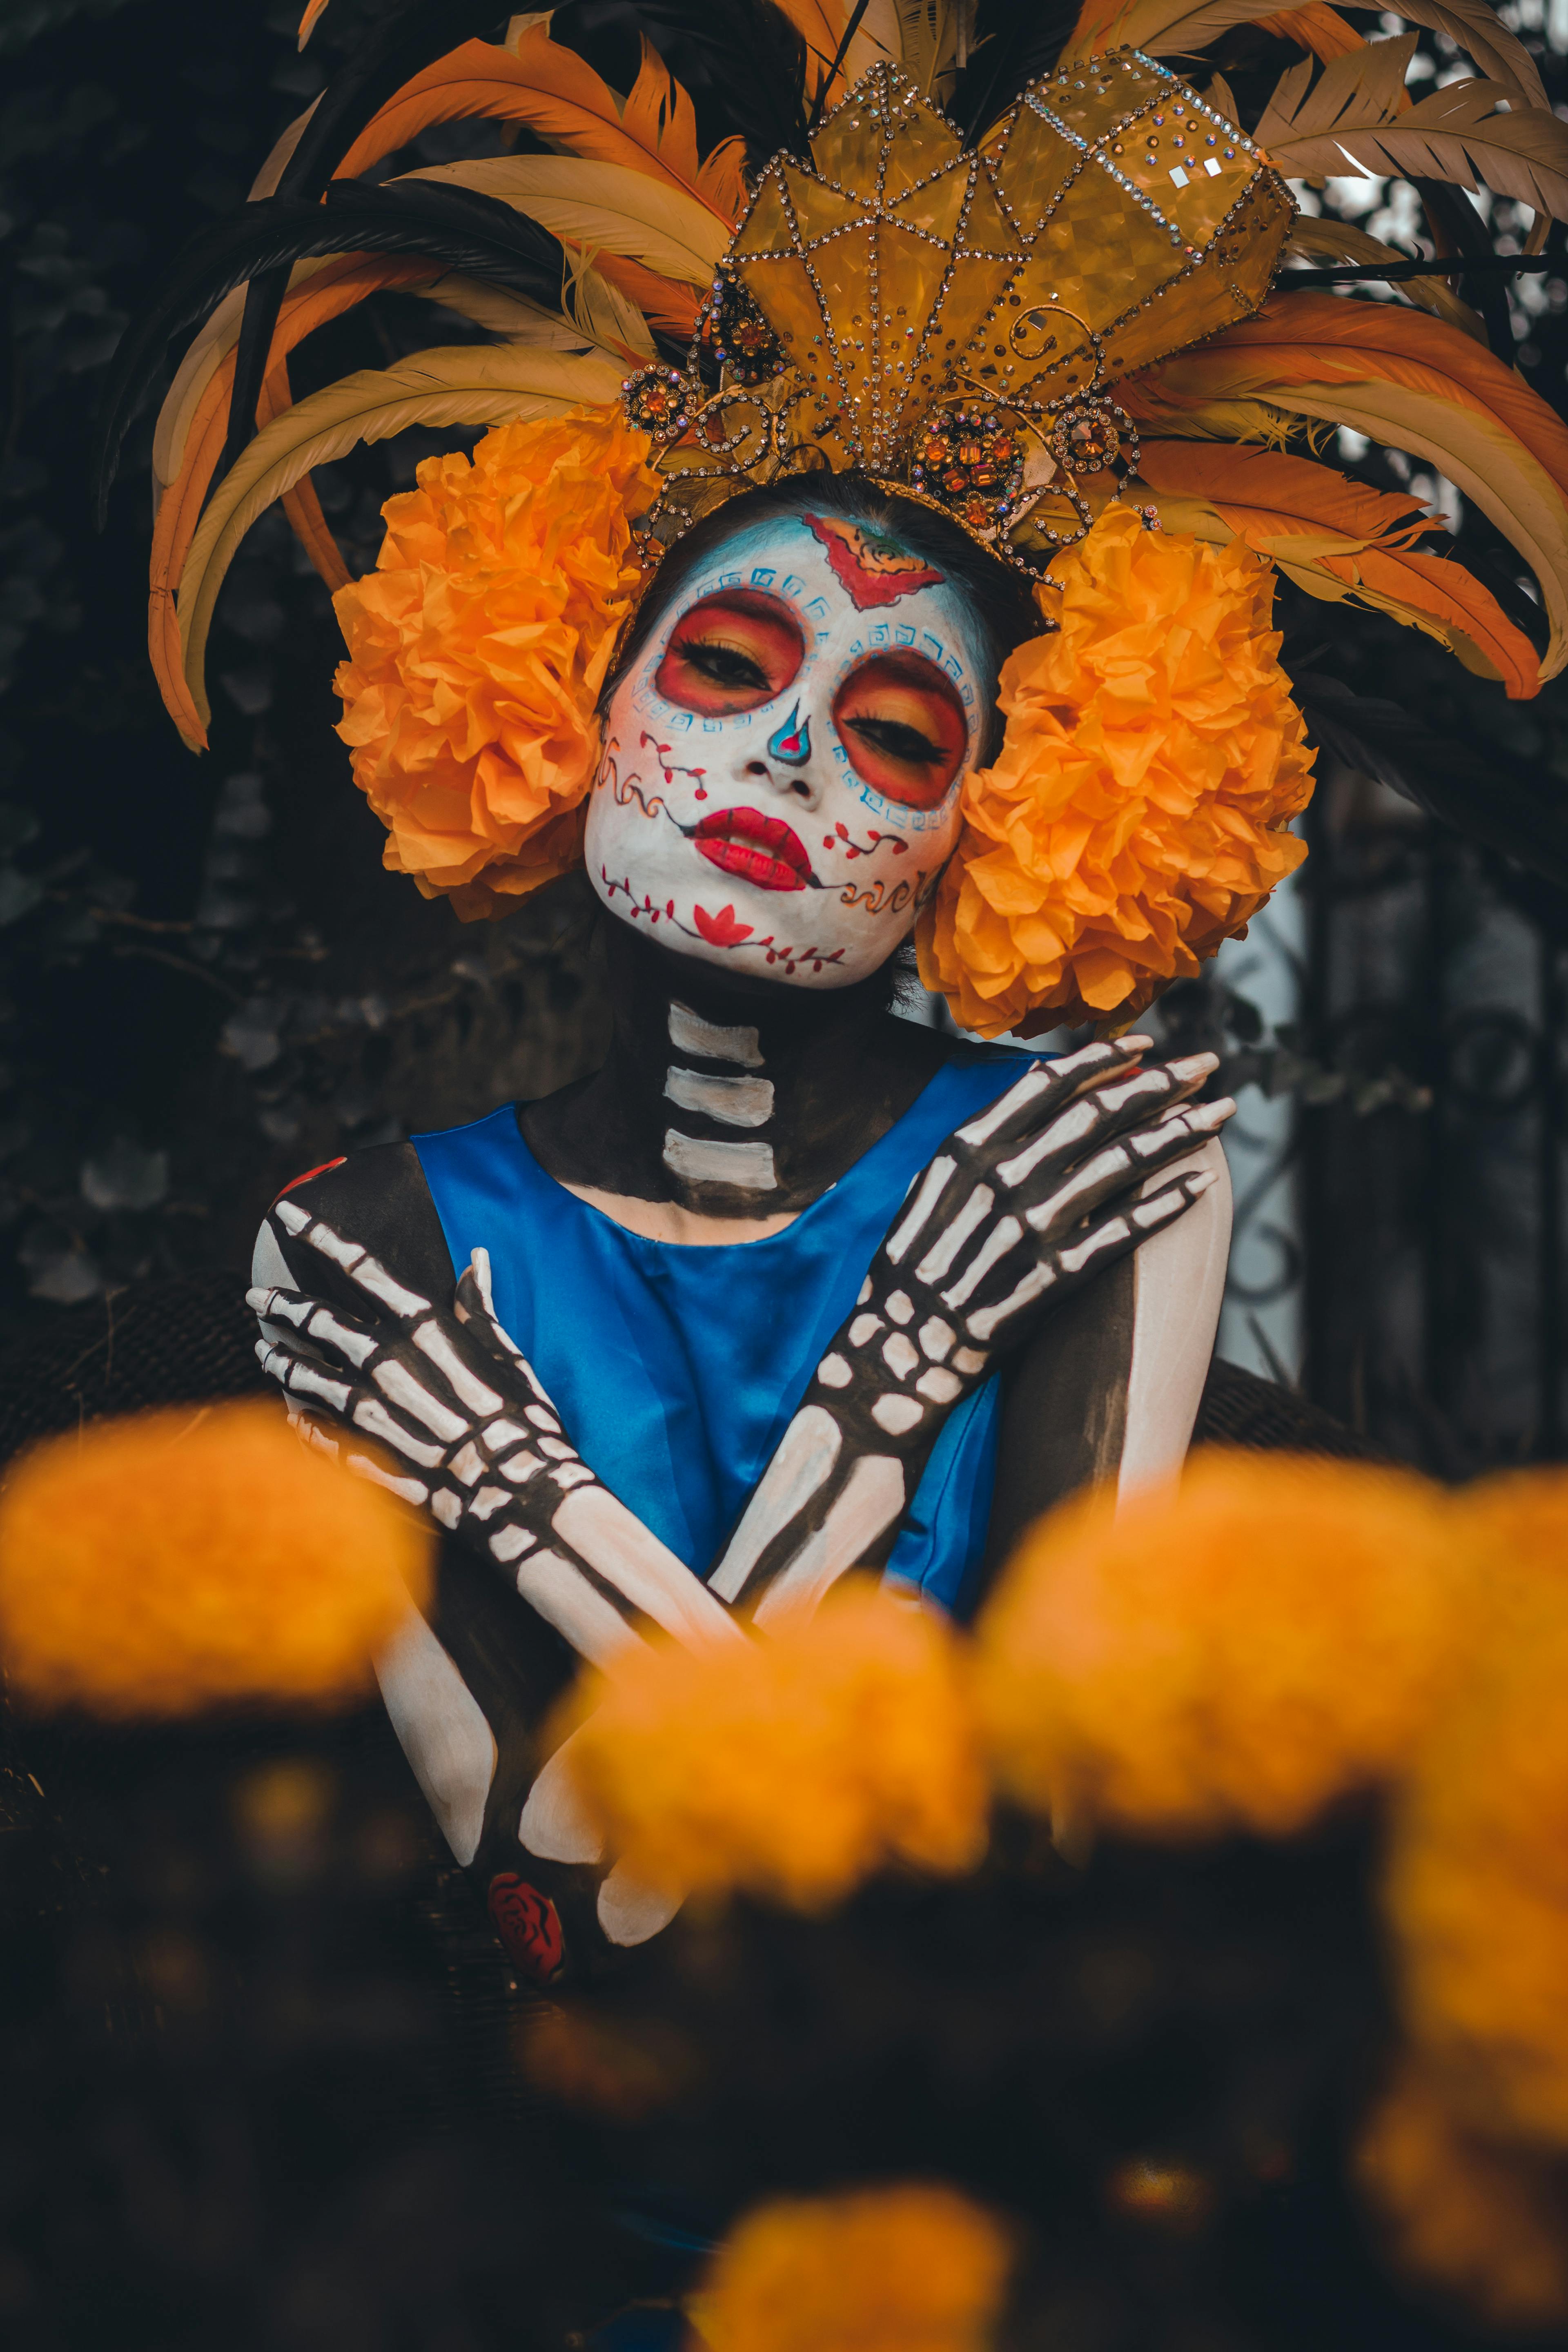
x: 207, y: 983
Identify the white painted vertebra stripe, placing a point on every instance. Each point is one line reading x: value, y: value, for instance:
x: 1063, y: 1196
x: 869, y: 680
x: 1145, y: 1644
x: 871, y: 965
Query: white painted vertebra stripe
x: 748, y: 1165
x: 738, y: 1102
x: 689, y: 1034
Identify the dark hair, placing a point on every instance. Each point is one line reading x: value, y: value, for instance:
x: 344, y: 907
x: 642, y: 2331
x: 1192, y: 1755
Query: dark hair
x: 998, y: 597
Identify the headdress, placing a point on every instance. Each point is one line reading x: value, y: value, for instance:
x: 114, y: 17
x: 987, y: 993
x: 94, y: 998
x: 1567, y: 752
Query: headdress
x: 1008, y: 264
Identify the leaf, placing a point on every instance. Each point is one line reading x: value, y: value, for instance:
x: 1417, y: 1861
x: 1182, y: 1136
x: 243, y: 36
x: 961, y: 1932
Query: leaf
x: 1340, y: 542
x: 468, y: 386
x: 1355, y: 113
x: 1330, y: 240
x: 605, y: 204
x: 555, y: 92
x: 1414, y: 384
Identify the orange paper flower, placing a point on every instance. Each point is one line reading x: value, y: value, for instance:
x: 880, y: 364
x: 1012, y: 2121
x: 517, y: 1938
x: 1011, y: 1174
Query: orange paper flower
x: 1478, y: 1875
x: 793, y: 1768
x: 1487, y: 2221
x: 1233, y: 1654
x: 477, y: 649
x: 183, y: 1560
x: 906, y: 2269
x: 1138, y: 812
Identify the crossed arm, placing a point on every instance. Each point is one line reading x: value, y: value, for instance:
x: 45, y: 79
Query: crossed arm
x: 1021, y: 1209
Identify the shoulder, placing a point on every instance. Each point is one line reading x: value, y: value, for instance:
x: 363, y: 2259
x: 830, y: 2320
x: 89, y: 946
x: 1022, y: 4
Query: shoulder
x: 377, y: 1197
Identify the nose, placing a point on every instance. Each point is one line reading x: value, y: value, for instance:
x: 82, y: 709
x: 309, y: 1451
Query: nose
x: 788, y: 756
x: 780, y: 780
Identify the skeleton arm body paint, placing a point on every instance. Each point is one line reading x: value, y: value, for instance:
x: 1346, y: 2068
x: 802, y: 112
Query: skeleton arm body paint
x: 1022, y: 1209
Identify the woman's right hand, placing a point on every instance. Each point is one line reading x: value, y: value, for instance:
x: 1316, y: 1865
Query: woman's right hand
x: 476, y: 1442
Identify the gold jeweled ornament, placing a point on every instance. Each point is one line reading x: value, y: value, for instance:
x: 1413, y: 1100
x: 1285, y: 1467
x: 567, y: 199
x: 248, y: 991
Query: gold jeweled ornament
x: 947, y: 321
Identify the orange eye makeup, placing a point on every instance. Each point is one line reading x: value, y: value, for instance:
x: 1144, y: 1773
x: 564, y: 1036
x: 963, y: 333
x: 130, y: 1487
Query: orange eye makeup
x: 903, y: 726
x: 731, y: 652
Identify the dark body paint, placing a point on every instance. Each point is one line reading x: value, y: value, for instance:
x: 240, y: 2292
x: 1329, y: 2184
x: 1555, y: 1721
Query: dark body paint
x: 844, y: 1070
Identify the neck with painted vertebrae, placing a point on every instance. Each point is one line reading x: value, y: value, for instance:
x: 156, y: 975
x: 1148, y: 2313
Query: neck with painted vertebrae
x: 743, y: 1098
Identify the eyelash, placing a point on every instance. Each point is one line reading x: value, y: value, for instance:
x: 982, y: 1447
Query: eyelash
x: 876, y: 731
x: 723, y: 664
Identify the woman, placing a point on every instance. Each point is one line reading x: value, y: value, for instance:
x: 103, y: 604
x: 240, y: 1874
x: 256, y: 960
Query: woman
x: 683, y: 1244
x: 792, y: 1285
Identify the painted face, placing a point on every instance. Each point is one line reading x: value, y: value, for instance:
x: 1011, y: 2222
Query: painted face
x: 779, y: 790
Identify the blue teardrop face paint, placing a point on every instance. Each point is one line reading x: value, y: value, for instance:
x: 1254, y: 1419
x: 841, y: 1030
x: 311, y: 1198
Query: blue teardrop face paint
x: 783, y: 764
x: 792, y: 744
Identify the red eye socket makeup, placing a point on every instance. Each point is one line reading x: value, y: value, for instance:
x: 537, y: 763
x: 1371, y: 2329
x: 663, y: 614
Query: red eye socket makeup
x: 731, y: 652
x: 903, y: 726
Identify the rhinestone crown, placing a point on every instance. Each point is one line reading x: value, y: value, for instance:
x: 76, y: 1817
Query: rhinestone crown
x: 948, y: 320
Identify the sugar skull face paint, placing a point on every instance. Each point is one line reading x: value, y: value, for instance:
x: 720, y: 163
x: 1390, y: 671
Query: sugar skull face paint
x: 779, y: 790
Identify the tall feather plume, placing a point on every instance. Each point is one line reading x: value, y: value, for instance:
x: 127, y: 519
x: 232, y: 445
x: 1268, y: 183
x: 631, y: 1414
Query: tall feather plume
x: 1011, y: 47
x: 465, y: 232
x: 392, y: 48
x: 468, y: 386
x: 1166, y: 28
x: 1357, y: 110
x: 1406, y: 381
x: 1340, y: 542
x: 1330, y: 240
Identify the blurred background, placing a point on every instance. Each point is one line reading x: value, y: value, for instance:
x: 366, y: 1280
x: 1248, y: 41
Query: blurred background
x: 208, y: 984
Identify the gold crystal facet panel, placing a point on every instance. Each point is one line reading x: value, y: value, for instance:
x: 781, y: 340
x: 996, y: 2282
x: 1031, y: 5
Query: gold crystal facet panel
x: 767, y: 227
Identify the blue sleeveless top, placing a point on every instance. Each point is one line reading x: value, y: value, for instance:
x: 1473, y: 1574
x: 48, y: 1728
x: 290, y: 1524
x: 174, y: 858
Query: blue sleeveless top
x: 676, y: 1367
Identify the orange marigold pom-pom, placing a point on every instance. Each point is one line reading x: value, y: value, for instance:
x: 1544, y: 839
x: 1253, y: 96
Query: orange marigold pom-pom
x: 1486, y: 2221
x: 178, y: 1560
x: 1137, y: 813
x: 1231, y: 1654
x: 478, y: 648
x: 792, y: 1767
x: 1477, y: 1884
x: 901, y: 2269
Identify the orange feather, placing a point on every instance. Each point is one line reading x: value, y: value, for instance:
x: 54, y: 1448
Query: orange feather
x: 662, y: 302
x: 1268, y: 499
x: 1323, y: 338
x: 1321, y: 30
x: 559, y: 96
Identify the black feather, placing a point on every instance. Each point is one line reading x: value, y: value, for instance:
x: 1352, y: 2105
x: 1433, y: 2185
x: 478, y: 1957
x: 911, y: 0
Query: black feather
x: 478, y: 234
x: 1013, y: 44
x: 410, y: 37
x: 747, y: 59
x: 1451, y: 213
x: 1506, y: 804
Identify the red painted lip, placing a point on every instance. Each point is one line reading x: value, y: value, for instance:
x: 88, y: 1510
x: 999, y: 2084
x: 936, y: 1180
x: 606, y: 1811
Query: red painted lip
x: 758, y: 848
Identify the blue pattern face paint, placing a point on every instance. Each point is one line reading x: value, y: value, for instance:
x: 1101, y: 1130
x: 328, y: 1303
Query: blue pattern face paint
x: 792, y: 743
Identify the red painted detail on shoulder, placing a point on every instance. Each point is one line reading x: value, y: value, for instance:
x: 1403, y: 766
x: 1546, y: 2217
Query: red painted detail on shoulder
x: 529, y: 1927
x: 295, y: 1181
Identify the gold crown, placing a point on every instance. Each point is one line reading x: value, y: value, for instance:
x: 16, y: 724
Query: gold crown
x: 947, y: 321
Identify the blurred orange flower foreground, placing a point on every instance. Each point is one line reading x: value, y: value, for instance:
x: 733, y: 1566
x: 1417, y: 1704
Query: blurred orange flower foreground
x: 905, y: 2269
x: 792, y: 1767
x: 1231, y: 1654
x: 183, y: 1559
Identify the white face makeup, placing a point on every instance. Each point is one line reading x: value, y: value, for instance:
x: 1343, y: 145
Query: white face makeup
x: 779, y: 790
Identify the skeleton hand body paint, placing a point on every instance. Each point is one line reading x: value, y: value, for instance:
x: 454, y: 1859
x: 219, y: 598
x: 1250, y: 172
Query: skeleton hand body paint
x: 780, y: 783
x: 783, y: 758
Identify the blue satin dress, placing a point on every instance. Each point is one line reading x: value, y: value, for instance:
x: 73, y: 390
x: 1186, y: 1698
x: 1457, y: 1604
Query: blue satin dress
x: 677, y: 1369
